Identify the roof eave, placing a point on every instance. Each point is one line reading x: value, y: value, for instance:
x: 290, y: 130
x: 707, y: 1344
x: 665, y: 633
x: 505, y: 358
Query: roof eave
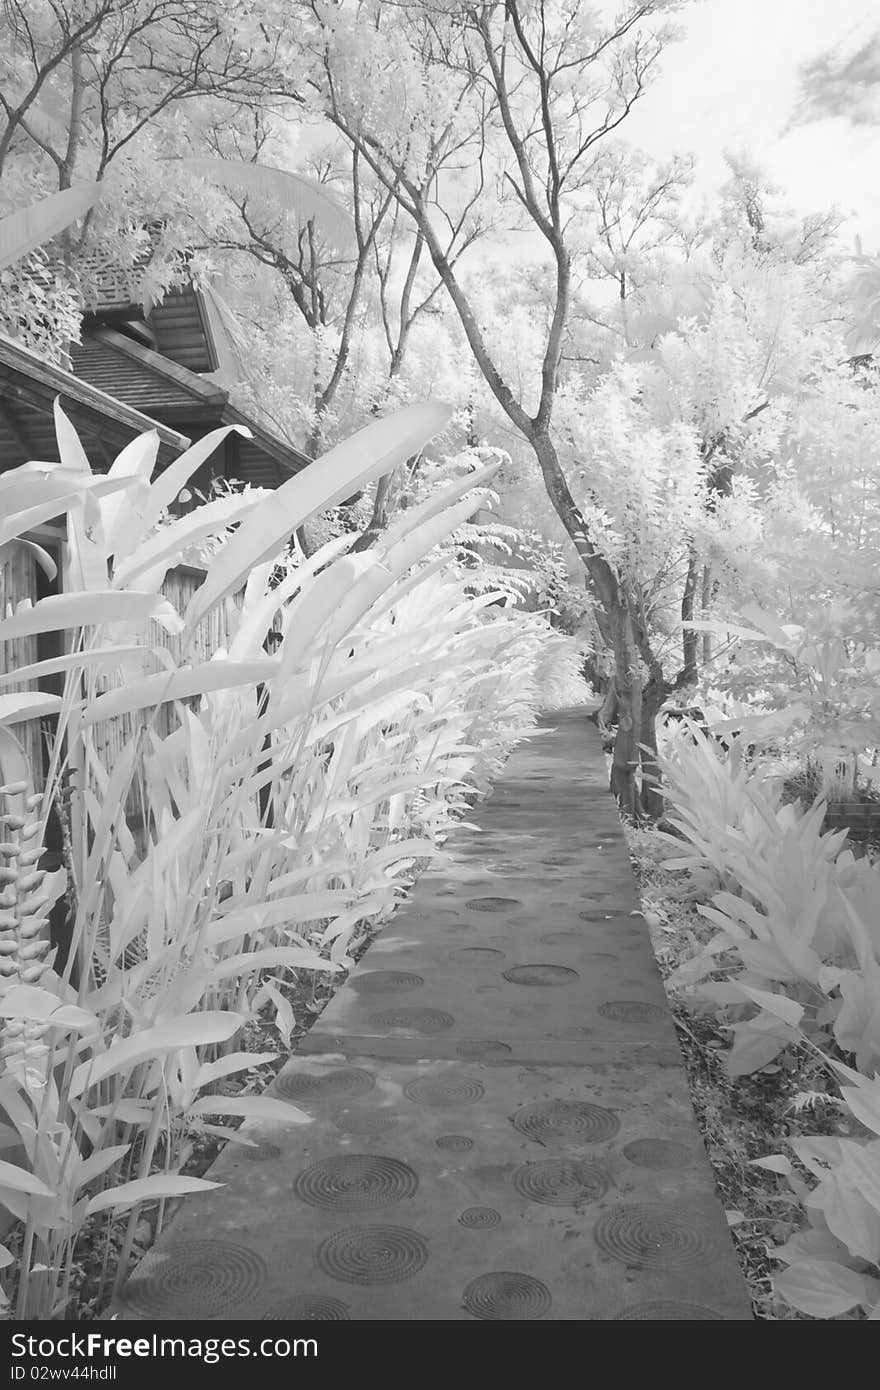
x: 40, y: 382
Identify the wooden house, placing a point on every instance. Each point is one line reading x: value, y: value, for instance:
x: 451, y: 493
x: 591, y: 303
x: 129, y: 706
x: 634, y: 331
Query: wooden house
x: 28, y: 388
x: 173, y: 363
x: 135, y: 370
x: 168, y: 367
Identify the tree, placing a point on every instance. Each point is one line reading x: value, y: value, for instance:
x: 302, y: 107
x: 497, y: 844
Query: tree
x: 504, y: 105
x: 104, y: 91
x: 335, y: 295
x: 80, y: 81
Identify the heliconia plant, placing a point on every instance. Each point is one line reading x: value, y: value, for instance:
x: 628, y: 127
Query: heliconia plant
x: 285, y: 810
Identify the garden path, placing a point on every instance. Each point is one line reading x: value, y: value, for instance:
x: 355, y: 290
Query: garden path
x: 501, y: 1120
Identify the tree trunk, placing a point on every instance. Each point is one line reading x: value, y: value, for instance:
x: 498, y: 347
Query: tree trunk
x: 651, y: 801
x: 384, y: 504
x: 607, y: 714
x: 706, y: 601
x: 617, y: 622
x: 628, y: 690
x: 689, y: 639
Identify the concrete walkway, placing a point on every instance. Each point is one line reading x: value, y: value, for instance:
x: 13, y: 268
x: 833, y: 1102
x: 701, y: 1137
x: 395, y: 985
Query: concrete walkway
x: 502, y: 1127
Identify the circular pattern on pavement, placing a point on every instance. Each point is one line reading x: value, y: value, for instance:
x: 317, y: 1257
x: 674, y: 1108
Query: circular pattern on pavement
x: 454, y: 1143
x: 565, y: 937
x: 577, y: 1120
x: 364, y: 1121
x: 444, y: 1090
x: 650, y: 1236
x: 507, y: 1296
x: 540, y: 974
x: 561, y: 1182
x: 372, y: 1254
x: 479, y: 1218
x: 668, y: 1311
x: 492, y: 904
x: 476, y: 955
x: 631, y: 1011
x: 419, y: 1020
x: 263, y: 1152
x: 329, y: 1085
x: 656, y: 1153
x: 355, y: 1182
x: 384, y: 981
x: 308, y: 1307
x: 201, y: 1279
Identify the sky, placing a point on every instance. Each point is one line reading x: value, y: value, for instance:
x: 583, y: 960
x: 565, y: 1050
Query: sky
x: 794, y: 83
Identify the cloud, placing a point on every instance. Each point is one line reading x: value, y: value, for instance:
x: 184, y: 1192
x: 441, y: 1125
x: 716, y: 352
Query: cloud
x: 838, y: 84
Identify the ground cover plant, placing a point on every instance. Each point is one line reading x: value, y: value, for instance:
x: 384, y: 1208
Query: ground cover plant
x: 790, y: 976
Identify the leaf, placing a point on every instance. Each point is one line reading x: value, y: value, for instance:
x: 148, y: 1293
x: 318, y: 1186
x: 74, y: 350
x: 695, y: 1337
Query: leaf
x: 861, y: 1165
x: 719, y: 627
x: 135, y: 463
x: 774, y: 1163
x: 306, y: 199
x: 254, y: 1107
x: 103, y: 657
x: 776, y: 1004
x: 167, y: 486
x: 864, y: 1102
x: 373, y: 451
x: 74, y: 1019
x: 180, y: 685
x: 812, y: 1244
x: 42, y: 1006
x: 129, y: 1112
x: 63, y: 491
x: 848, y: 1216
x: 818, y: 1153
x: 284, y: 1017
x: 170, y: 541
x: 768, y: 624
x: 89, y: 609
x: 160, y: 1185
x: 406, y: 521
x: 295, y: 957
x: 27, y: 704
x: 27, y: 228
x: 20, y: 1180
x: 756, y: 1043
x: 98, y: 1163
x: 821, y: 1289
x: 42, y: 558
x: 232, y: 1062
x: 192, y: 1031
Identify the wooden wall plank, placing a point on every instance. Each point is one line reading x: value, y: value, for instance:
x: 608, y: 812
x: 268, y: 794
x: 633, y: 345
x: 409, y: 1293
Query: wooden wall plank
x: 18, y: 581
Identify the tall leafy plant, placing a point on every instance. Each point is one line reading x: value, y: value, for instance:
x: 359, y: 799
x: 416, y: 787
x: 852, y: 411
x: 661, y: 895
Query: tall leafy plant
x: 108, y: 1087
